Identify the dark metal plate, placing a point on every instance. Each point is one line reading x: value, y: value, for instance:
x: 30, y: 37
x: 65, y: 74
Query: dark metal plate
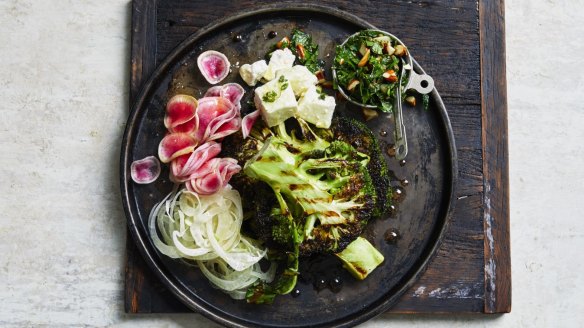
x: 423, y: 209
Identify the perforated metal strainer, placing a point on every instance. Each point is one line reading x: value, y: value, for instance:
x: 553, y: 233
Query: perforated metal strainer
x: 422, y: 83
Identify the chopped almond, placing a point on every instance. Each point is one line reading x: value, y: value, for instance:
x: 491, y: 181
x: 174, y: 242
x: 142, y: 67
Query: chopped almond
x: 319, y: 75
x: 390, y: 76
x: 300, y: 51
x: 365, y: 58
x: 388, y: 49
x: 352, y: 84
x: 327, y: 84
x: 400, y: 50
x: 285, y: 40
x: 411, y: 100
x: 369, y: 114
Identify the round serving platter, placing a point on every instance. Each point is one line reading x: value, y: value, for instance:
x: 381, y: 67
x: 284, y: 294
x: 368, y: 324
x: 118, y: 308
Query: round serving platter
x: 423, y: 203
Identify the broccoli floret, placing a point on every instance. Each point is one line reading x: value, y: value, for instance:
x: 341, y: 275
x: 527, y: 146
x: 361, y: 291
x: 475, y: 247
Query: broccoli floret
x: 358, y: 135
x: 281, y: 229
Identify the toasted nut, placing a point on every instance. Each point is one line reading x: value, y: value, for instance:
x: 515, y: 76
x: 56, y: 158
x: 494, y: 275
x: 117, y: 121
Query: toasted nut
x: 342, y: 61
x: 400, y: 50
x: 282, y: 43
x: 327, y: 84
x: 388, y: 49
x: 365, y: 58
x: 319, y: 75
x: 411, y: 100
x: 300, y: 51
x: 382, y: 39
x: 369, y: 114
x: 390, y: 76
x: 352, y: 84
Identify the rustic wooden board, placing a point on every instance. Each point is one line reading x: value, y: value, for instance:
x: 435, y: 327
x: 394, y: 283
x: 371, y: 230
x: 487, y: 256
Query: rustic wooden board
x: 459, y: 43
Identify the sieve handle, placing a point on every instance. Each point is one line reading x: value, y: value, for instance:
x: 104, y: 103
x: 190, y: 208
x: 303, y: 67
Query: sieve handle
x: 422, y: 83
x: 401, y: 144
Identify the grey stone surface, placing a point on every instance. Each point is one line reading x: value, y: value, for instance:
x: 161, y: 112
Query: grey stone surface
x: 63, y: 104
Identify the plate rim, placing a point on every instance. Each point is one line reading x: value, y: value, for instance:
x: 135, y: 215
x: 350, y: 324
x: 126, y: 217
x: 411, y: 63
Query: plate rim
x: 149, y: 254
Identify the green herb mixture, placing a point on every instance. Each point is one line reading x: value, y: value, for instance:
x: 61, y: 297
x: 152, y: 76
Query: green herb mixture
x: 367, y: 68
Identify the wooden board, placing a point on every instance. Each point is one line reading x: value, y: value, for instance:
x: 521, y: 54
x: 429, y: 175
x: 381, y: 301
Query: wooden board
x: 459, y: 43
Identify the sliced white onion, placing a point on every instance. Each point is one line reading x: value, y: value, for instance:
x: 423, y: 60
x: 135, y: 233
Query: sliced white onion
x: 206, y: 228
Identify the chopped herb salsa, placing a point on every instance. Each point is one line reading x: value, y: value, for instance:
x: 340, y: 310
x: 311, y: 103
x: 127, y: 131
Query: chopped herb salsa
x: 367, y: 68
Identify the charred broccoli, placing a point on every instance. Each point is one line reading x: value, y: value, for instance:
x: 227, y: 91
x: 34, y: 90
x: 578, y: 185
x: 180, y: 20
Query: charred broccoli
x: 350, y: 131
x: 358, y: 135
x: 310, y: 190
x: 325, y: 186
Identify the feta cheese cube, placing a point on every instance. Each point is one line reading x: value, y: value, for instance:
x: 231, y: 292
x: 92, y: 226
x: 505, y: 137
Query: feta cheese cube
x: 301, y: 79
x: 251, y: 74
x: 281, y: 58
x: 315, y: 108
x: 275, y: 105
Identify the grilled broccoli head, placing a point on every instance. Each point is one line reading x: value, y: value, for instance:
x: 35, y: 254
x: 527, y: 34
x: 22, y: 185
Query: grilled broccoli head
x: 307, y: 190
x: 323, y: 185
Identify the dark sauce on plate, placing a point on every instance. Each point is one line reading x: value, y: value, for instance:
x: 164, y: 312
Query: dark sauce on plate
x: 391, y: 236
x: 322, y: 272
x: 272, y: 34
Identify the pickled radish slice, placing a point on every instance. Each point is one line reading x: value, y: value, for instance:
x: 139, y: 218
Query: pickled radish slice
x: 212, y: 108
x: 227, y: 128
x: 218, y: 117
x: 248, y: 122
x: 212, y: 176
x: 183, y: 167
x: 179, y: 110
x: 232, y: 91
x: 214, y: 91
x: 188, y: 127
x: 175, y: 145
x: 206, y: 185
x: 213, y: 65
x: 145, y: 170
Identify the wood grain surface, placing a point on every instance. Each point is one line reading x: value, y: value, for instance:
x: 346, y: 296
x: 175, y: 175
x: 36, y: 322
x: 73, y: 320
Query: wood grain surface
x: 460, y: 44
x: 496, y: 159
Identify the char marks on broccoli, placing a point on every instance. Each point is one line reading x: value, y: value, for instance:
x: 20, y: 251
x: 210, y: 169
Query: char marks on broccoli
x: 358, y: 135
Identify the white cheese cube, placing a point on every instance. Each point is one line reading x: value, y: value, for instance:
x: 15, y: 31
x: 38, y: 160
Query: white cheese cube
x: 251, y: 74
x: 315, y: 108
x: 301, y: 79
x: 275, y: 105
x: 281, y: 58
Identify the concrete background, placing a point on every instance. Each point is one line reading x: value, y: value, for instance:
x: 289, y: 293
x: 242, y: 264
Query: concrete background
x: 63, y: 105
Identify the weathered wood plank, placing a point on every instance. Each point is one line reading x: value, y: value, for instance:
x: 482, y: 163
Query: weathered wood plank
x: 143, y: 44
x: 470, y: 172
x: 444, y: 36
x: 496, y: 158
x: 138, y: 278
x: 453, y: 282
